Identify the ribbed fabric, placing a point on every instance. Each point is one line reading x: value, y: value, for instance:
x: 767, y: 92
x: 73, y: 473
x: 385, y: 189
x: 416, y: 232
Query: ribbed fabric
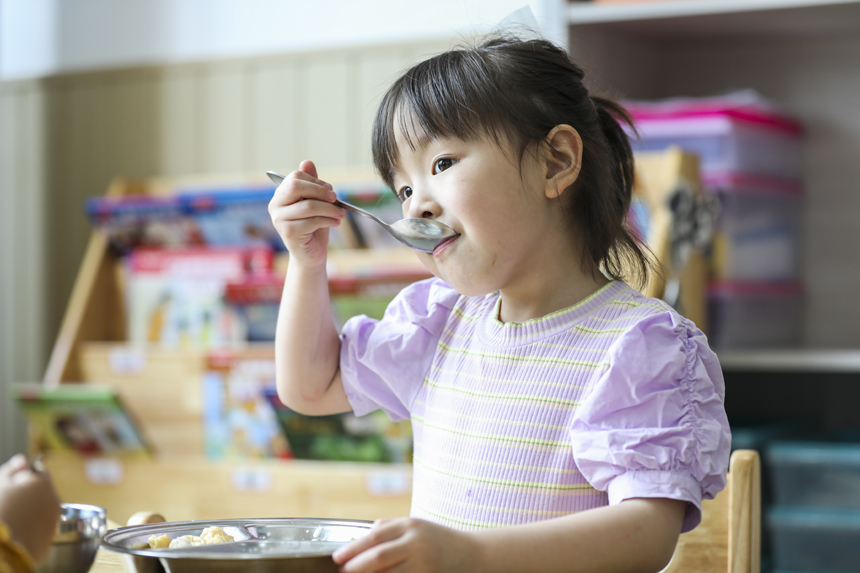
x: 491, y: 420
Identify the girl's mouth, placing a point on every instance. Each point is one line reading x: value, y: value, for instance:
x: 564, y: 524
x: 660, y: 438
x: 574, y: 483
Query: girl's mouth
x: 444, y: 245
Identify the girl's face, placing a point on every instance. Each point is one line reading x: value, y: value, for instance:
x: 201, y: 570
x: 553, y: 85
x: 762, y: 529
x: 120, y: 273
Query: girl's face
x: 508, y: 227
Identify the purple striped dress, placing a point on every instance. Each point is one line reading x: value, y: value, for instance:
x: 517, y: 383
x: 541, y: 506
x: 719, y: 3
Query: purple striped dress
x: 613, y: 398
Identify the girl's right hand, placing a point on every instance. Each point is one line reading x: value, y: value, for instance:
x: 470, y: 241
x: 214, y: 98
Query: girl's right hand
x: 302, y: 211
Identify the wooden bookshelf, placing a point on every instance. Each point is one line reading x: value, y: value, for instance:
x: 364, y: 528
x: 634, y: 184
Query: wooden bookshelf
x: 186, y: 488
x: 162, y: 389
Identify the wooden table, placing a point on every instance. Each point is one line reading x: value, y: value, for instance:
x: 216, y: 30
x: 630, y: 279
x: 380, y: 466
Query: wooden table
x: 108, y: 562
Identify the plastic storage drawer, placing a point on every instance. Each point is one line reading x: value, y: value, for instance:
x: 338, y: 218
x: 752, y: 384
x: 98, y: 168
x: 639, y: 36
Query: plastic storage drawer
x: 815, y: 474
x: 758, y: 227
x: 754, y: 315
x: 815, y: 540
x: 725, y: 137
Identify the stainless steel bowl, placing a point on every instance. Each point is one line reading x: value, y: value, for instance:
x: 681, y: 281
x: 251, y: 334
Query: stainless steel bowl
x: 76, y: 540
x: 289, y: 545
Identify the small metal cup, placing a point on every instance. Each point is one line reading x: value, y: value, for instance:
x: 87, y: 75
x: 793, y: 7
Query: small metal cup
x: 76, y: 540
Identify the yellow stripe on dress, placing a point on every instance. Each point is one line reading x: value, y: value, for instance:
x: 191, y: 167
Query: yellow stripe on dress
x: 509, y: 483
x: 485, y: 463
x: 507, y: 381
x: 522, y: 398
x: 551, y: 360
x: 503, y: 422
x: 494, y: 437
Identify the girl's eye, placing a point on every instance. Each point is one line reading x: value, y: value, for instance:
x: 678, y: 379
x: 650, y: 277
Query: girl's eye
x: 442, y: 164
x: 404, y: 193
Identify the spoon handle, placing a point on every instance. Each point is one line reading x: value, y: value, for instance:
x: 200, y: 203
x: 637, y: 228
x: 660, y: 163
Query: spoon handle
x: 36, y: 464
x: 354, y: 209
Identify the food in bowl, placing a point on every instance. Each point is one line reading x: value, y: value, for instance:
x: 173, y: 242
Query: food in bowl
x: 208, y: 536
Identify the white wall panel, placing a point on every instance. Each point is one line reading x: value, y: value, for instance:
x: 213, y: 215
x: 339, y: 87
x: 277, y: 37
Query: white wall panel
x: 22, y: 257
x: 273, y: 117
x: 324, y: 83
x: 180, y: 120
x: 223, y: 101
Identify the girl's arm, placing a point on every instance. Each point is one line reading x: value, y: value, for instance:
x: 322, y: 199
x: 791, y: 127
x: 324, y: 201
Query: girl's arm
x: 307, y: 346
x: 637, y: 535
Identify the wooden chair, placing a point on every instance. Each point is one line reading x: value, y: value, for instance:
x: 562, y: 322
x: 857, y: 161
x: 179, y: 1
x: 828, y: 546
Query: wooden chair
x: 729, y: 537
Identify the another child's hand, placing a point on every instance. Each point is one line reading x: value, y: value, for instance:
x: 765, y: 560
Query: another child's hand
x: 302, y: 212
x: 409, y: 545
x: 29, y: 505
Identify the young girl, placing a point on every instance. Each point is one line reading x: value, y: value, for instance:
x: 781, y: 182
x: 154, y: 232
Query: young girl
x: 546, y: 395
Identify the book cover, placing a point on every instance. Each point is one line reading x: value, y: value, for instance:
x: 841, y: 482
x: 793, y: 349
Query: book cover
x: 176, y: 297
x: 344, y: 437
x: 235, y: 216
x: 374, y: 197
x: 364, y: 290
x: 85, y: 418
x: 238, y: 421
x: 133, y: 221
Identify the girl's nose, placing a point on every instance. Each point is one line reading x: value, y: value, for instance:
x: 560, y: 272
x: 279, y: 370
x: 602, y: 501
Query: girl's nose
x: 422, y: 205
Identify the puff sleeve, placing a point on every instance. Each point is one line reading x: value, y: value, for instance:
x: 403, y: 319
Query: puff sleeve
x: 383, y: 362
x: 655, y: 425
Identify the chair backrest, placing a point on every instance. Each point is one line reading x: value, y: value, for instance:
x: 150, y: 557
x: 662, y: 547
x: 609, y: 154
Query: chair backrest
x: 729, y: 537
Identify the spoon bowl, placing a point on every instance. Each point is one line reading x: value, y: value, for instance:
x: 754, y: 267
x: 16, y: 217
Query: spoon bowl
x: 423, y: 235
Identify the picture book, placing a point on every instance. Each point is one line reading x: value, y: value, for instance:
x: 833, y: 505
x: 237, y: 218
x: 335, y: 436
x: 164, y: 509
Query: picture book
x: 85, y: 418
x: 176, y: 297
x: 244, y: 418
x: 353, y: 291
x: 134, y: 221
x: 238, y: 421
x: 344, y: 437
x: 234, y: 216
x: 374, y: 197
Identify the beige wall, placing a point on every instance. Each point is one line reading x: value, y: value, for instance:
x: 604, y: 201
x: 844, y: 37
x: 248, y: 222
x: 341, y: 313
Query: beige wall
x: 63, y: 138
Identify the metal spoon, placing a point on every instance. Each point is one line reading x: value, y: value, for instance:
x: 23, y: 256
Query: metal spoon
x: 420, y: 234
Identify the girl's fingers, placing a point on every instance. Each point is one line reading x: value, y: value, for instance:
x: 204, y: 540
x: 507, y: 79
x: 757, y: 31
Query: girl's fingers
x: 383, y: 531
x: 14, y: 464
x: 307, y: 166
x: 378, y: 558
x: 301, y: 230
x: 309, y: 177
x: 295, y: 190
x: 305, y: 210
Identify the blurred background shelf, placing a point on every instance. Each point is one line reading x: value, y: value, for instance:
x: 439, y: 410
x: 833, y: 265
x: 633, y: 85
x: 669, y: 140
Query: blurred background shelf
x: 727, y: 19
x: 791, y: 360
x: 189, y: 487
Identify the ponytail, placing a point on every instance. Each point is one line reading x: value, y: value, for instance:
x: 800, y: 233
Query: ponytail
x: 625, y: 251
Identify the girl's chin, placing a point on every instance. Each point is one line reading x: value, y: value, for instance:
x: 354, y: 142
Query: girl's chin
x: 464, y: 286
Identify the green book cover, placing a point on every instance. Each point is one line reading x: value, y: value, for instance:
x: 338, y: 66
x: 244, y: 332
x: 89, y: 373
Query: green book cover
x: 85, y: 418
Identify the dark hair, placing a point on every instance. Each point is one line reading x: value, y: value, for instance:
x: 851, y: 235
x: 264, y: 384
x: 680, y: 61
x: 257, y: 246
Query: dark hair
x: 518, y: 91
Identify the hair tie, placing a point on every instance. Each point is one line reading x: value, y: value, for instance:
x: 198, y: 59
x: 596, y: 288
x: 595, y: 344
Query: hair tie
x: 520, y: 24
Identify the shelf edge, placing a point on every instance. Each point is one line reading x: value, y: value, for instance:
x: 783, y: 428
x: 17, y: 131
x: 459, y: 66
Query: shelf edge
x: 596, y: 13
x: 793, y: 360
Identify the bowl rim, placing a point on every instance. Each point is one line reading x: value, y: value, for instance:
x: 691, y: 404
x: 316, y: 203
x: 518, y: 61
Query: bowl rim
x: 111, y: 538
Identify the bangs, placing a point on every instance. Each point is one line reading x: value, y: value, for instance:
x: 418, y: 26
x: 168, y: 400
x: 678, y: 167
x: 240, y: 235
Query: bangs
x: 455, y: 94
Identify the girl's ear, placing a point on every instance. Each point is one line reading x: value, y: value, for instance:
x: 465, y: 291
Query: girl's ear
x: 563, y: 159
